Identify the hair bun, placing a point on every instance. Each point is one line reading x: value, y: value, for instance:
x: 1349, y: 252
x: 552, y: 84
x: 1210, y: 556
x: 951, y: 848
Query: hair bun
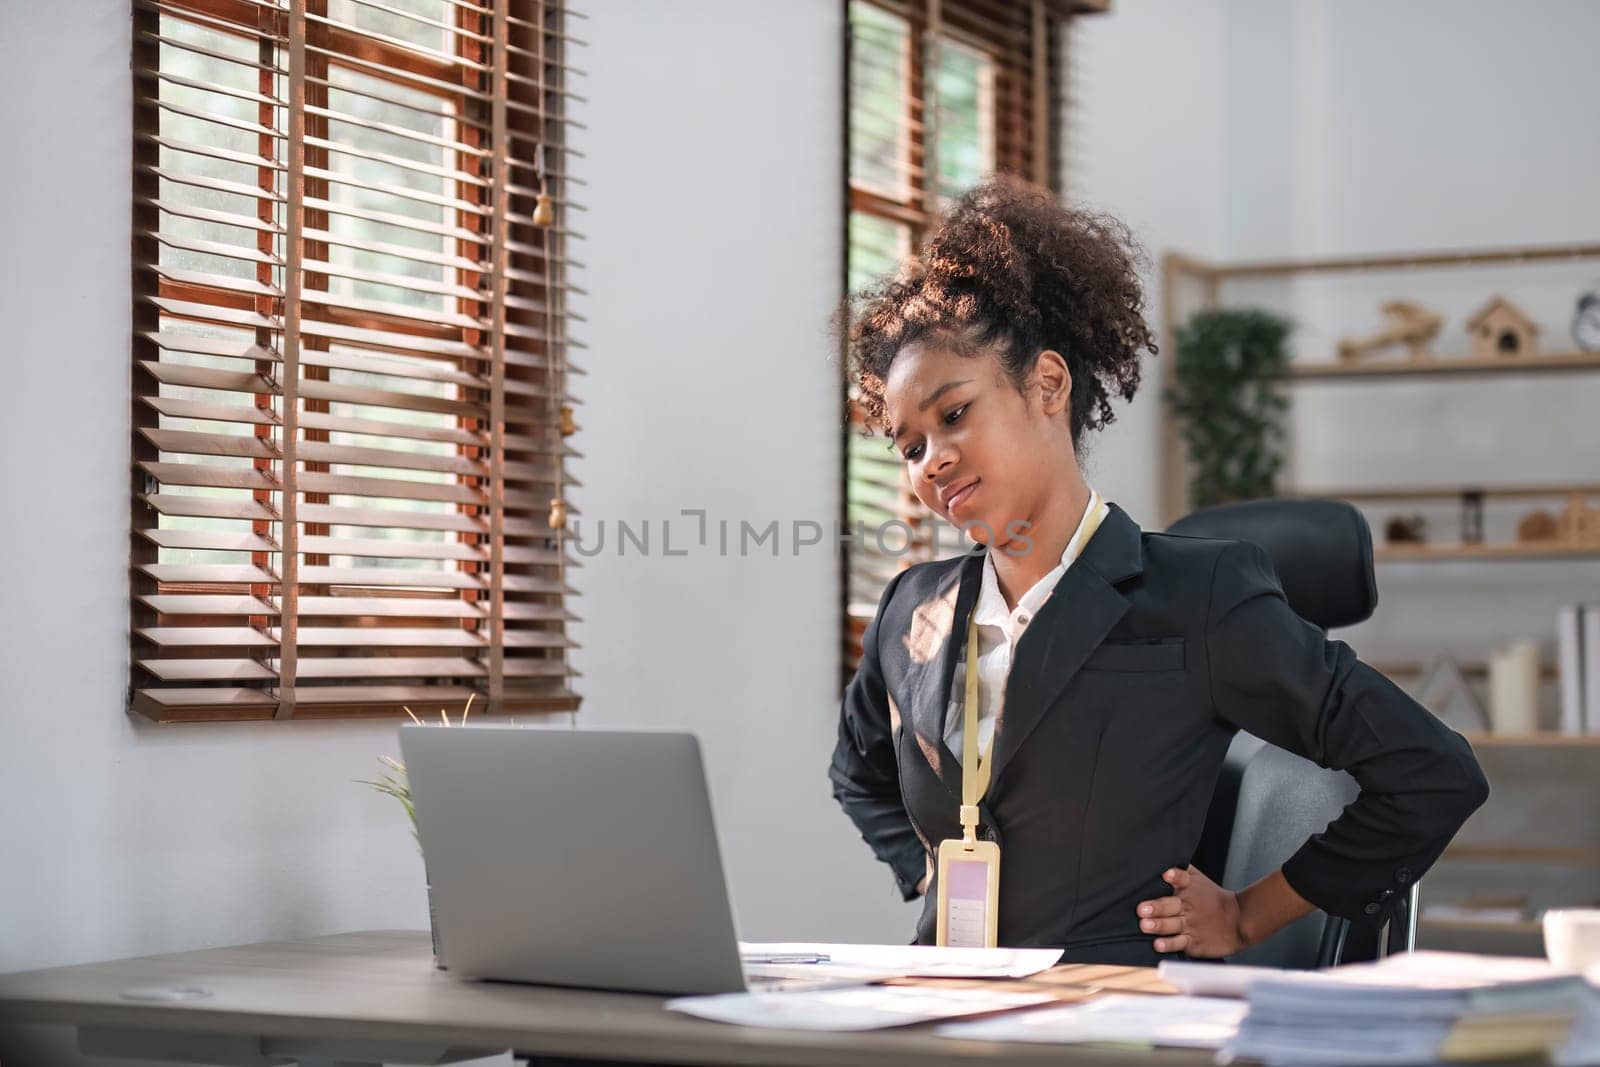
x: 1013, y: 270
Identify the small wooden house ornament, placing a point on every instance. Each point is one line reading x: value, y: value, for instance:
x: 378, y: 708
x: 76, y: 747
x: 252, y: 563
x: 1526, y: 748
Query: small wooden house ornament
x: 1501, y: 330
x: 1579, y: 524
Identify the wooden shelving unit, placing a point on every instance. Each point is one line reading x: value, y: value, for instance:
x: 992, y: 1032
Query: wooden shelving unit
x: 1520, y: 767
x: 1181, y: 272
x: 1444, y: 366
x: 1446, y: 492
x: 1543, y: 740
x: 1524, y: 854
x: 1531, y: 550
x: 1183, y: 275
x: 1471, y: 670
x: 1528, y: 927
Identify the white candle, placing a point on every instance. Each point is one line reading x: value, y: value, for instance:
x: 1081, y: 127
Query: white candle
x: 1514, y: 689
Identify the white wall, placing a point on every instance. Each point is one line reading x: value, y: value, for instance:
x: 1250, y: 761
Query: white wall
x: 715, y: 260
x: 1145, y: 144
x: 1252, y: 128
x: 120, y: 838
x: 1449, y: 125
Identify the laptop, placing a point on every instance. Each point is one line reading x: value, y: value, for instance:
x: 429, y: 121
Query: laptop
x: 578, y: 858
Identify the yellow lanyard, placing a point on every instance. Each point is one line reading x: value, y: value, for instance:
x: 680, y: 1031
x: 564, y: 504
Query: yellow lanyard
x: 975, y: 769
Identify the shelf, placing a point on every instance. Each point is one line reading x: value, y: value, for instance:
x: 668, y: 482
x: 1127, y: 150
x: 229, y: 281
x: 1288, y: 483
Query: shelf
x: 1582, y: 857
x: 1457, y: 366
x: 1541, y: 740
x: 1186, y: 279
x: 1532, y: 550
x: 1428, y: 260
x: 1443, y: 492
x: 1415, y: 669
x: 1461, y: 923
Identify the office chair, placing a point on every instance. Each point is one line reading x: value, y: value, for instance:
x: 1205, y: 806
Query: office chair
x: 1268, y: 800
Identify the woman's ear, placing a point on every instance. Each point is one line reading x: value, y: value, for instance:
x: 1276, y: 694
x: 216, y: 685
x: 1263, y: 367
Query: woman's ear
x: 1053, y: 380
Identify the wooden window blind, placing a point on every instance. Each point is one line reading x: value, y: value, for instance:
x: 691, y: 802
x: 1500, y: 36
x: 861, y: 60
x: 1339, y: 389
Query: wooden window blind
x: 352, y: 227
x: 939, y: 93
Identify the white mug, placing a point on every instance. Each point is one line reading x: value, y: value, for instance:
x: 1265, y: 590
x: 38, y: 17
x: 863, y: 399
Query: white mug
x: 1572, y: 938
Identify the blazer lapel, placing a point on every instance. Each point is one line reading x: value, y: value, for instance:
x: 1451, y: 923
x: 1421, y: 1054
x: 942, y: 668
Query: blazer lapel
x: 935, y: 642
x: 1082, y: 609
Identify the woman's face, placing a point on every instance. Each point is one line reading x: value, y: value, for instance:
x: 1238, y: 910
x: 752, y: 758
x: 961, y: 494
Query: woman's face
x: 979, y: 455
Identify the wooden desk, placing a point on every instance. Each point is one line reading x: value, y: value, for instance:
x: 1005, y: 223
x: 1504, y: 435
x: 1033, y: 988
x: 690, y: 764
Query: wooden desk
x: 376, y: 997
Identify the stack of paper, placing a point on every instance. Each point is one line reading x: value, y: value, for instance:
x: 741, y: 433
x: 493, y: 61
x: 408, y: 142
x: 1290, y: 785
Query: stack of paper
x: 853, y: 1007
x: 831, y: 990
x: 1420, y: 1008
x: 874, y: 963
x: 1115, y: 1018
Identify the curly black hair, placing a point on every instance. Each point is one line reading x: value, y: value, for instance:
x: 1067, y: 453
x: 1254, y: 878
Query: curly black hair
x: 1014, y: 271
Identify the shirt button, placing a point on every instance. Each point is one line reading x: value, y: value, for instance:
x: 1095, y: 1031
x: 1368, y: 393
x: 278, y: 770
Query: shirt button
x: 1403, y: 875
x: 1022, y: 620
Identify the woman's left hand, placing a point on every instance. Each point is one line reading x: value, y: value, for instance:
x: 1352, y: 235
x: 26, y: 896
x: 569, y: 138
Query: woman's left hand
x: 1200, y: 918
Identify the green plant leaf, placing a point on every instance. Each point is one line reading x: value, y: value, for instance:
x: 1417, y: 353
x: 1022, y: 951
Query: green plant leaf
x: 1229, y: 400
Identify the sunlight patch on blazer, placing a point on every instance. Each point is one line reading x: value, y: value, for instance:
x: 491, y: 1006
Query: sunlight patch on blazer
x: 931, y: 754
x: 931, y: 623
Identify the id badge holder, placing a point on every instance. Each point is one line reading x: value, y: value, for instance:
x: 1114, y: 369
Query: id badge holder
x: 969, y: 894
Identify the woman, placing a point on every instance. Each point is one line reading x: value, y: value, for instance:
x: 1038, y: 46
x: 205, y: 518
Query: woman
x: 1113, y: 665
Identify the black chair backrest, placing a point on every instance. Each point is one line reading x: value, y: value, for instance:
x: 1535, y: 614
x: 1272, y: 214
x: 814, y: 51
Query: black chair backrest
x: 1321, y: 549
x: 1268, y: 801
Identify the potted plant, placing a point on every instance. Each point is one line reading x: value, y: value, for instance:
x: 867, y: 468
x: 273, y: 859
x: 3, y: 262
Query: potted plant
x: 1229, y: 400
x: 393, y: 782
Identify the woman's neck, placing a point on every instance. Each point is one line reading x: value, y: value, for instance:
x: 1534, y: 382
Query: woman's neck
x: 1050, y: 530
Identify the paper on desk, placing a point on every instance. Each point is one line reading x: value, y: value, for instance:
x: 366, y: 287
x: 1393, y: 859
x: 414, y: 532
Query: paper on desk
x: 852, y: 1007
x: 1120, y: 1018
x: 867, y: 963
x: 1221, y: 979
x: 1404, y: 971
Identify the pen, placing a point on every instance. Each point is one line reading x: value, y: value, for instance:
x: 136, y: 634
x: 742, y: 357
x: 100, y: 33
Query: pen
x: 788, y: 957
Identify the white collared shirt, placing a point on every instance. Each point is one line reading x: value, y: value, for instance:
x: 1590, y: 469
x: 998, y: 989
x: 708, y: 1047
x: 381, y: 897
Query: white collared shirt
x: 998, y: 633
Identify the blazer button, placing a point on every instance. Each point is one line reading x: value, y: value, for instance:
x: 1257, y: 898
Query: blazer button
x: 988, y: 833
x: 1403, y: 875
x: 1371, y: 909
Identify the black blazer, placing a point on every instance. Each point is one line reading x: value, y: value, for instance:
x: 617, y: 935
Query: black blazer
x: 1123, y: 695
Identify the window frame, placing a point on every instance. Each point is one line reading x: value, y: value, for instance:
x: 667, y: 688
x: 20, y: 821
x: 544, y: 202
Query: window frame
x: 486, y: 186
x: 1025, y: 113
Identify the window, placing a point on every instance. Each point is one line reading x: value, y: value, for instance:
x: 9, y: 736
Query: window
x: 955, y: 89
x: 350, y: 408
